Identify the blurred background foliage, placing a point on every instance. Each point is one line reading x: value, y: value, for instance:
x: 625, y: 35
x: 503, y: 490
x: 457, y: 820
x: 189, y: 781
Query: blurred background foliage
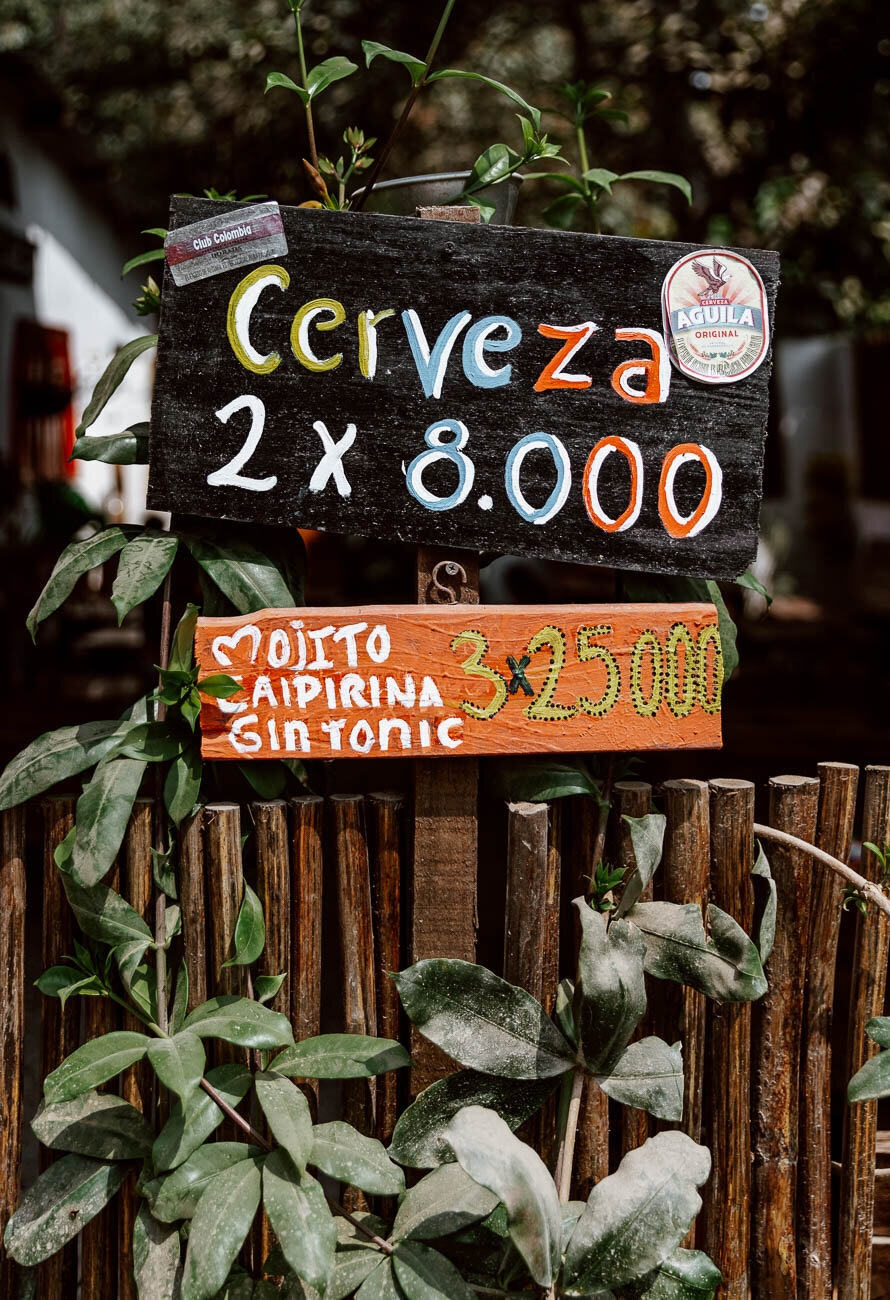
x: 779, y: 113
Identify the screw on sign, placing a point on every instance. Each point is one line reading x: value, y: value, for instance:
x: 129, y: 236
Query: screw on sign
x: 388, y: 681
x: 487, y: 388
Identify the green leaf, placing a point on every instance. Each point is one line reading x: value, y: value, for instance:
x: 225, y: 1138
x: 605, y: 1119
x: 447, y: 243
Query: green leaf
x: 424, y: 1274
x: 141, y: 569
x: 602, y: 178
x: 287, y: 1114
x: 104, y: 915
x: 76, y: 560
x: 380, y: 1284
x: 62, y: 981
x: 873, y: 1080
x: 266, y: 777
x: 326, y: 73
x: 182, y: 784
x: 533, y: 113
x: 561, y: 213
x: 414, y: 67
x: 96, y: 1124
x: 486, y: 1150
x: 279, y: 79
x: 418, y: 1138
x: 445, y: 1201
x: 878, y: 1030
x: 647, y: 839
x: 55, y: 756
x: 182, y: 648
x: 648, y: 1075
x: 180, y: 999
x: 724, y: 965
x: 341, y: 1056
x: 351, y: 1266
x: 610, y: 996
x: 95, y: 1062
x: 637, y: 1216
x: 152, y: 742
x: 265, y: 987
x: 766, y: 904
x: 661, y: 178
x: 240, y: 1021
x: 482, y: 1021
x: 179, y: 1063
x: 242, y: 572
x: 142, y: 259
x: 220, y: 686
x: 188, y: 1128
x: 300, y: 1218
x: 220, y: 1225
x: 540, y: 780
x: 112, y: 378
x: 65, y: 1198
x: 127, y: 448
x: 684, y: 1275
x: 494, y: 164
x: 250, y: 931
x: 748, y: 580
x: 157, y: 1257
x: 103, y: 814
x: 347, y: 1155
x: 179, y: 1193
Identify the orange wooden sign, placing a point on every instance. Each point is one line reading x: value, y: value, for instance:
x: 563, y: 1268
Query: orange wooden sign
x: 390, y: 681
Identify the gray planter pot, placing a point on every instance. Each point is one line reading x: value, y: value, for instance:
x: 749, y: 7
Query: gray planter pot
x: 399, y: 198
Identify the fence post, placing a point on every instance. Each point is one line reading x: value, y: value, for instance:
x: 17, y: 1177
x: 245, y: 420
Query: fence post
x: 525, y: 910
x: 778, y: 1019
x: 225, y: 889
x: 866, y: 1000
x: 273, y: 890
x: 834, y: 834
x: 194, y: 906
x: 727, y: 1227
x: 356, y: 944
x: 306, y: 818
x: 386, y: 881
x: 12, y: 1022
x: 631, y: 799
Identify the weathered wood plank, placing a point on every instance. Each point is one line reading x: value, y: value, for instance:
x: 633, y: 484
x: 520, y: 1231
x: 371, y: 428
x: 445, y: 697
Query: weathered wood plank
x: 526, y: 901
x: 192, y: 889
x: 12, y: 1021
x: 834, y: 834
x: 357, y: 961
x: 727, y: 1195
x: 869, y: 971
x: 225, y: 889
x: 385, y: 392
x: 435, y: 681
x: 386, y: 815
x: 778, y: 1020
x: 306, y: 824
x: 273, y: 890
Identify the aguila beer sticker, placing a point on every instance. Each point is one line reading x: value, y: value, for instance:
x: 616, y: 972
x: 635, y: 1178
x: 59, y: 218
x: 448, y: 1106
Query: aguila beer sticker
x: 715, y: 316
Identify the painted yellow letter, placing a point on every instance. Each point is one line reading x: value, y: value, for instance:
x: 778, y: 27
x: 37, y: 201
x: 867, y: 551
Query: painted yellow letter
x: 299, y: 332
x: 241, y: 304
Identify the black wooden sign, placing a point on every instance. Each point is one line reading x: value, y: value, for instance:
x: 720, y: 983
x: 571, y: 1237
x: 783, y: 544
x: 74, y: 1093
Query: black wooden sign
x: 493, y: 388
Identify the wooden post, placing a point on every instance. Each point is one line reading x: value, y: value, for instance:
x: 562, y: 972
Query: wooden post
x: 225, y: 889
x: 727, y: 1229
x: 192, y: 891
x: 137, y: 1081
x: 306, y: 817
x: 12, y: 1022
x: 592, y: 1141
x: 57, y: 1276
x: 866, y: 1000
x: 442, y: 894
x: 356, y: 943
x: 778, y: 1019
x: 631, y: 799
x: 544, y: 1131
x: 386, y: 881
x: 525, y: 934
x: 273, y: 891
x: 834, y: 834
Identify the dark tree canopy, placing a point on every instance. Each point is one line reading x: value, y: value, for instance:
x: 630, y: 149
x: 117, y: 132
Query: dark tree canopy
x: 778, y: 113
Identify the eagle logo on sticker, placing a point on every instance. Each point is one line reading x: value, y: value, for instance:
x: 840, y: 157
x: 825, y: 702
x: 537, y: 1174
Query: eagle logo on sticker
x: 715, y: 316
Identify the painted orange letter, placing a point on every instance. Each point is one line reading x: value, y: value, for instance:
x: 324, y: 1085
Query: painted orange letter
x: 656, y: 371
x: 553, y: 375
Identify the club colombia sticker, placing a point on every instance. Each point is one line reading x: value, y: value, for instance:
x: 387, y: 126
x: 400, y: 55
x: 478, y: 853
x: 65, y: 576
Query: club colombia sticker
x: 715, y: 316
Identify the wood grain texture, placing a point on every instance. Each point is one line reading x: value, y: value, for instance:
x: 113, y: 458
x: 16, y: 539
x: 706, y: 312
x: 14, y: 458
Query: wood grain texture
x: 834, y: 833
x: 273, y: 876
x: 307, y: 861
x: 632, y: 799
x: 225, y: 889
x: 59, y: 1029
x: 137, y: 1082
x: 193, y: 900
x: 440, y: 269
x: 544, y: 1126
x: 389, y: 681
x: 727, y: 1195
x: 866, y: 1000
x: 526, y: 901
x: 12, y: 1022
x: 357, y: 958
x: 386, y: 813
x: 778, y: 1020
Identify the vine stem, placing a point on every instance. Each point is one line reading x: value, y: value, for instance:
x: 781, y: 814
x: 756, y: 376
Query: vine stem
x: 259, y: 1140
x: 161, y: 900
x: 599, y: 842
x: 870, y: 891
x: 387, y: 149
x: 566, y: 1155
x: 310, y: 125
